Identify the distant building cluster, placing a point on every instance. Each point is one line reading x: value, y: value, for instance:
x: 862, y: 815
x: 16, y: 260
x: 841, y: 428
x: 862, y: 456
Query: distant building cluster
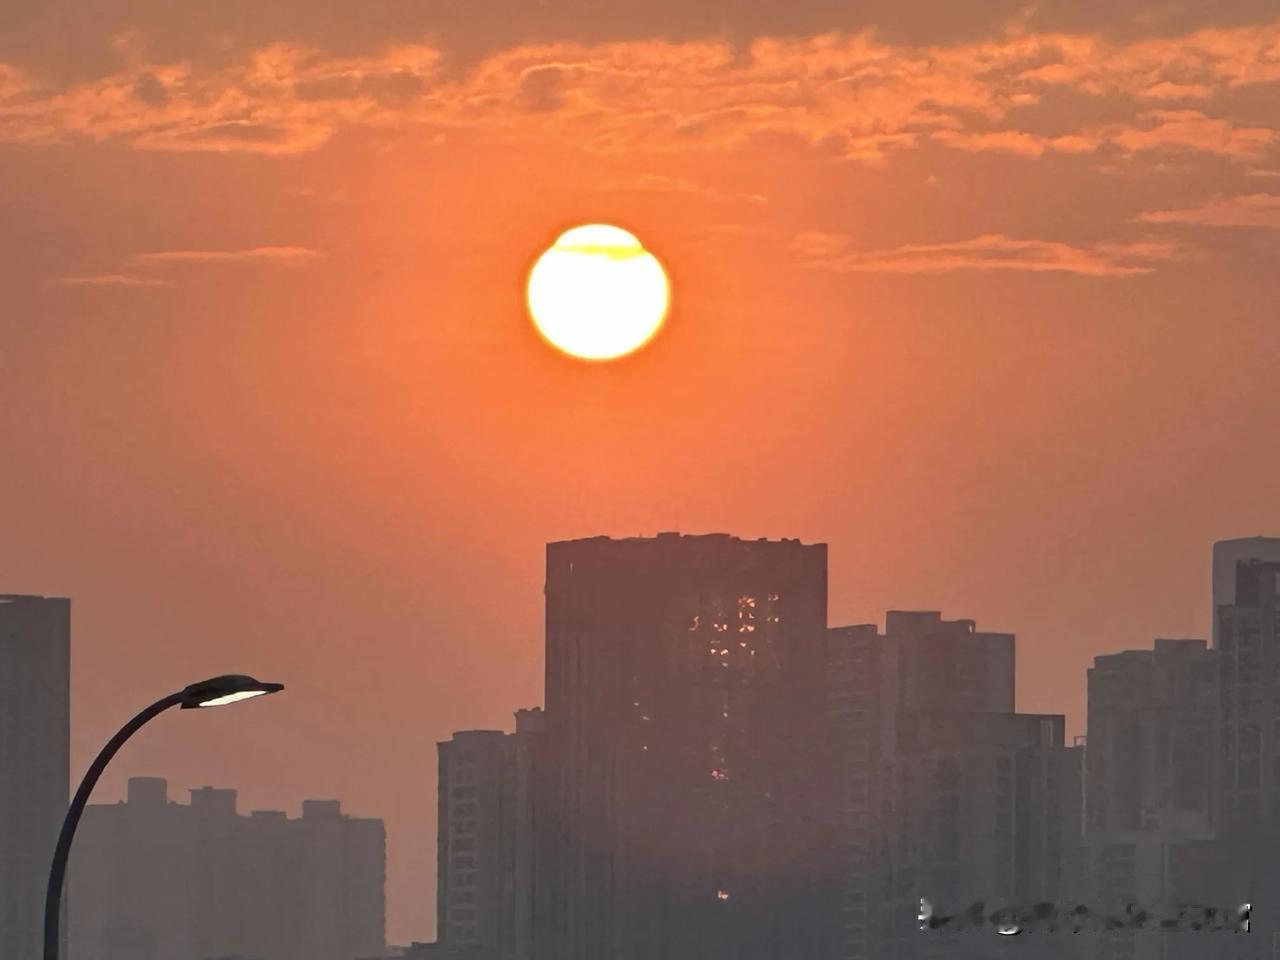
x: 154, y: 879
x: 717, y: 774
x: 720, y: 774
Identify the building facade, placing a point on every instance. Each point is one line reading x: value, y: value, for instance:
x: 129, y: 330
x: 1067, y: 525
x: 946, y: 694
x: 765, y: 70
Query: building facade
x: 1227, y: 555
x: 687, y: 801
x: 857, y: 663
x: 35, y: 667
x: 980, y: 808
x: 1249, y: 697
x: 1150, y: 771
x: 154, y: 880
x: 948, y: 665
x: 486, y: 840
x: 880, y: 684
x: 1152, y: 718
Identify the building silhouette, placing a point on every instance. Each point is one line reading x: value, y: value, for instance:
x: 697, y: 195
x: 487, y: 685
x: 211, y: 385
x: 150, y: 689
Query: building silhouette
x: 1152, y: 737
x: 151, y: 879
x: 946, y: 792
x: 1150, y: 771
x: 1249, y: 696
x: 948, y: 665
x: 984, y: 809
x: 857, y: 664
x: 687, y: 797
x: 920, y: 663
x: 1241, y: 863
x: 35, y: 657
x: 486, y: 840
x: 1227, y: 555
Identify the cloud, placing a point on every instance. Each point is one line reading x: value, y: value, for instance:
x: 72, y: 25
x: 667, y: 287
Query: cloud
x: 657, y: 183
x: 989, y: 252
x: 1194, y: 131
x: 274, y: 256
x: 817, y: 245
x: 1252, y: 210
x: 1018, y: 142
x: 279, y: 256
x: 1168, y: 90
x: 850, y: 95
x: 281, y: 99
x: 114, y: 280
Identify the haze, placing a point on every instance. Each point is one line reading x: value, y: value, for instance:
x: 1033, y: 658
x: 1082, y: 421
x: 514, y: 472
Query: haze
x: 982, y: 295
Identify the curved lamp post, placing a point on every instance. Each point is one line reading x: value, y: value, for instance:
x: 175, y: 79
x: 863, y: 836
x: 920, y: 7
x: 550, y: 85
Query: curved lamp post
x: 207, y: 693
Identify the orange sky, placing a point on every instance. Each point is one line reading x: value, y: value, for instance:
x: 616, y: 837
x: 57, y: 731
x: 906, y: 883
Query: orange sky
x: 985, y: 299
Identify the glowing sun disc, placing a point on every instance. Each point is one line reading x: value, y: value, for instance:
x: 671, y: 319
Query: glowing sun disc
x: 597, y: 293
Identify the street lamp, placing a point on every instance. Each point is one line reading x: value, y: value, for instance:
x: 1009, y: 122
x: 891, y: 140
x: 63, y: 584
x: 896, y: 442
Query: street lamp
x: 215, y: 692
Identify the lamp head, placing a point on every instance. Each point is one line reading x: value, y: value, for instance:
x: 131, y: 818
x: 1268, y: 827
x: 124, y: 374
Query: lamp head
x: 219, y: 691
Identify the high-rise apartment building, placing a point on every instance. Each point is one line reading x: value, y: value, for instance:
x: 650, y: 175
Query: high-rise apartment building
x: 980, y: 807
x: 921, y: 663
x: 857, y: 662
x: 949, y: 665
x: 152, y: 880
x: 1152, y: 718
x: 1227, y: 555
x: 486, y: 839
x: 35, y: 658
x: 1249, y: 696
x: 688, y: 796
x: 1149, y: 779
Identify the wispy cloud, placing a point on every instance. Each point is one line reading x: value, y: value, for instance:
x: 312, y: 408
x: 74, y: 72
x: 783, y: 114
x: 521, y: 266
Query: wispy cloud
x: 278, y: 256
x: 989, y: 252
x: 114, y: 280
x: 849, y: 94
x: 149, y: 263
x: 1251, y: 210
x: 657, y: 183
x: 1194, y: 131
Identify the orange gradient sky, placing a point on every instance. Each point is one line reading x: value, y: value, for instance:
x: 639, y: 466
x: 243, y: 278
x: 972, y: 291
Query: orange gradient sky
x: 982, y: 295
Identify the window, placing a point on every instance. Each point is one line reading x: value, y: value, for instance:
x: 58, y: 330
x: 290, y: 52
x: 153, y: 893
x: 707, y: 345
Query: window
x: 1249, y: 774
x: 1250, y: 738
x: 1247, y: 806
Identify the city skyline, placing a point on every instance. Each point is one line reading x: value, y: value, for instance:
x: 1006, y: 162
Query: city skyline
x: 411, y: 887
x: 925, y: 782
x: 1150, y: 779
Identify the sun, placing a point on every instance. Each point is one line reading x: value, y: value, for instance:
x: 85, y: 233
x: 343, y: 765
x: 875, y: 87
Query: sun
x: 597, y: 293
